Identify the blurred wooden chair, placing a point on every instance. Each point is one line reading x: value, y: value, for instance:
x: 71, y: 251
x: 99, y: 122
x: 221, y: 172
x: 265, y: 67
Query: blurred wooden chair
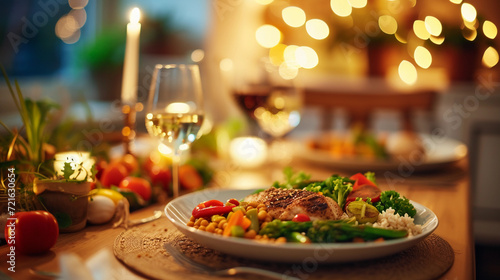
x: 361, y: 105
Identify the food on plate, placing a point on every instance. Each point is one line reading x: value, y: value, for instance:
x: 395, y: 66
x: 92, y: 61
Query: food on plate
x: 284, y: 204
x: 405, y: 145
x: 32, y: 232
x: 303, y: 211
x: 393, y: 200
x: 362, y: 211
x: 357, y: 143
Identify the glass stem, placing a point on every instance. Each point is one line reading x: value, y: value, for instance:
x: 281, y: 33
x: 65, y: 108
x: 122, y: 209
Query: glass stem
x: 175, y: 173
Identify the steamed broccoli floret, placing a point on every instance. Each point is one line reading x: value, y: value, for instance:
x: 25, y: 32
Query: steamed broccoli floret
x: 392, y: 199
x: 335, y: 187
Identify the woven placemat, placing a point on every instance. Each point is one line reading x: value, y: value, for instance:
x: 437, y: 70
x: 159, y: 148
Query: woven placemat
x: 141, y: 249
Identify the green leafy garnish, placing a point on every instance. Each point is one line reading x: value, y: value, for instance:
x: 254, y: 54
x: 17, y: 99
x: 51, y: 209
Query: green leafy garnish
x: 371, y: 176
x: 292, y: 180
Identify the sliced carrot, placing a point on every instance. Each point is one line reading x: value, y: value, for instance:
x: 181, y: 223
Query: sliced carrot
x: 245, y: 223
x: 235, y: 219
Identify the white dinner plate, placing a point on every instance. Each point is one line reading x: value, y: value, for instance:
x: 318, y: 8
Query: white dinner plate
x: 178, y: 211
x: 440, y: 152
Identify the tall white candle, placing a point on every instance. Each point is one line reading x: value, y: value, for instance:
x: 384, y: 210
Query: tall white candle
x: 131, y: 61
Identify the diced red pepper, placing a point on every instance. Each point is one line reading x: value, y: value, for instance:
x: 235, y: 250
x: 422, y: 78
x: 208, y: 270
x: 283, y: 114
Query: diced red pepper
x: 210, y: 211
x: 233, y: 202
x: 209, y: 203
x: 360, y: 180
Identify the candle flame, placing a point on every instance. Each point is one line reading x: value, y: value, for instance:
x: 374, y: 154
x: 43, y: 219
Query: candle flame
x: 135, y: 15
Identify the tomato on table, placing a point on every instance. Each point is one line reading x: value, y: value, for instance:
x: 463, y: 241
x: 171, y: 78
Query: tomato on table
x: 130, y: 162
x: 161, y: 175
x: 34, y: 232
x: 113, y: 174
x: 140, y: 186
x: 100, y: 166
x: 189, y: 177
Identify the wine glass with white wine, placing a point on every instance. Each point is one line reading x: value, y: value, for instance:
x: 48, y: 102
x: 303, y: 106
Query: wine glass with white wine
x: 174, y: 112
x: 280, y: 113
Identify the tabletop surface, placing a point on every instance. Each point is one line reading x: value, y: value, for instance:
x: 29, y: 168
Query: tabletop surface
x: 446, y: 193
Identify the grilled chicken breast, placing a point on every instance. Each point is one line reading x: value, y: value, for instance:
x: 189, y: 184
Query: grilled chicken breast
x: 284, y: 204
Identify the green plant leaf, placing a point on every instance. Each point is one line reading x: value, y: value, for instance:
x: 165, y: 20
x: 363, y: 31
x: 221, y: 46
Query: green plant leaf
x: 67, y: 171
x: 63, y: 219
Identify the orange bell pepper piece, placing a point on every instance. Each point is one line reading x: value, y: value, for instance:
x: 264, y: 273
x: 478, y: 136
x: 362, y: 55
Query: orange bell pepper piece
x: 236, y: 219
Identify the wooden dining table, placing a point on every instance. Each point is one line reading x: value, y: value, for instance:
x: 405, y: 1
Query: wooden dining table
x: 446, y: 192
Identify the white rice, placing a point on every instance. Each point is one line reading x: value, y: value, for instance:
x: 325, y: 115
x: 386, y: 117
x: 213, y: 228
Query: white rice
x: 389, y: 220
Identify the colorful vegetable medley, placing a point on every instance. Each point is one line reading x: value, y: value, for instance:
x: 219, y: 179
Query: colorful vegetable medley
x: 358, y: 195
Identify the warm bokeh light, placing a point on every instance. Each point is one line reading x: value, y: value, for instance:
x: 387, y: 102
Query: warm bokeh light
x: 288, y: 71
x: 358, y: 3
x: 67, y: 29
x: 433, y: 25
x: 468, y: 11
x: 80, y: 17
x: 78, y: 4
x: 490, y: 29
x: 317, y: 29
x: 264, y: 2
x: 197, y: 55
x: 289, y: 55
x: 422, y: 57
x: 472, y: 25
x: 400, y: 39
x: 276, y: 54
x: 437, y: 40
x: 407, y: 72
x: 456, y: 1
x: 490, y: 57
x: 388, y: 24
x: 342, y: 8
x: 293, y: 16
x: 420, y: 30
x: 306, y: 57
x: 226, y: 65
x: 268, y: 36
x: 469, y: 34
x: 135, y: 15
x: 178, y: 108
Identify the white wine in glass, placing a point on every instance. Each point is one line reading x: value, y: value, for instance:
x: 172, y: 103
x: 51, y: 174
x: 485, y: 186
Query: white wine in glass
x: 174, y: 112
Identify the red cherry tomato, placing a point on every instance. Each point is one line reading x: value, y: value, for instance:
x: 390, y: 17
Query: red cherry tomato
x: 138, y: 185
x: 189, y: 177
x: 301, y: 218
x: 113, y: 174
x: 32, y: 233
x: 365, y: 192
x: 100, y: 166
x: 161, y: 176
x: 130, y: 162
